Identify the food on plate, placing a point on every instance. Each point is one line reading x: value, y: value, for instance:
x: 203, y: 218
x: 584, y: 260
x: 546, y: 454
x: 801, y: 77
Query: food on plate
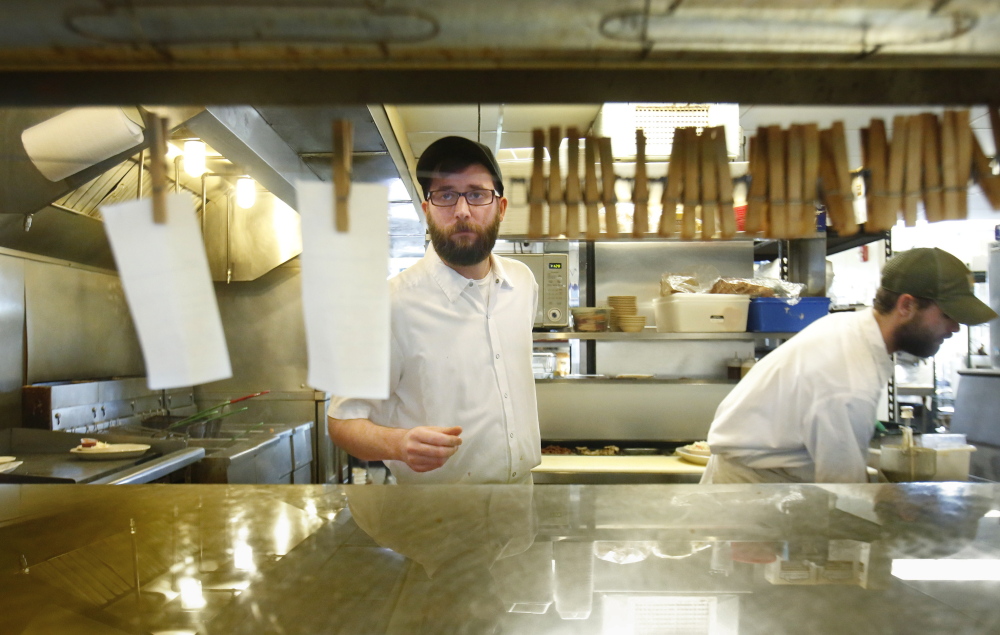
x: 698, y: 447
x: 92, y: 443
x: 608, y: 450
x: 556, y: 449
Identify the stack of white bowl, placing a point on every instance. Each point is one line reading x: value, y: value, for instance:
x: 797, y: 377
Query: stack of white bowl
x: 624, y: 314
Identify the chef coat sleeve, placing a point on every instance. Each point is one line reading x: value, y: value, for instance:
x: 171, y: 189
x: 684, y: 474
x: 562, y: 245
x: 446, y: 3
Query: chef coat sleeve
x: 837, y: 432
x: 375, y: 410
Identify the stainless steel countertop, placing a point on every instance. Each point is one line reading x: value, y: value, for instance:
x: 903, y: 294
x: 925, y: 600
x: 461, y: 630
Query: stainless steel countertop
x: 473, y: 559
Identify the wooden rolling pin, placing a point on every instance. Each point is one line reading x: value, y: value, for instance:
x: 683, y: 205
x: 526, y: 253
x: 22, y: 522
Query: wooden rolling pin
x: 640, y: 188
x: 573, y: 194
x: 555, y: 184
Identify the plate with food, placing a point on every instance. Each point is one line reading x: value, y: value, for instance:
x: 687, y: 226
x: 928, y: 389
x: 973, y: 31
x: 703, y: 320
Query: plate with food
x: 92, y: 450
x: 698, y: 452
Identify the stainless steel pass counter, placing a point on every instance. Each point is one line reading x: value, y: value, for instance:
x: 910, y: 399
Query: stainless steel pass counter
x: 916, y: 558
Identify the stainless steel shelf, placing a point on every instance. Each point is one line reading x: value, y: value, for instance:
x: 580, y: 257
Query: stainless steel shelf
x: 650, y: 333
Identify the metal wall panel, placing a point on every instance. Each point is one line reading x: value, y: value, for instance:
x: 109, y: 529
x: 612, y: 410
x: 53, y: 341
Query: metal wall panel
x: 78, y: 325
x: 627, y: 410
x: 11, y: 340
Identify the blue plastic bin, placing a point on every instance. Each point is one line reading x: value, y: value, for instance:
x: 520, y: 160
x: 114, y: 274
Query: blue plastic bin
x: 775, y: 315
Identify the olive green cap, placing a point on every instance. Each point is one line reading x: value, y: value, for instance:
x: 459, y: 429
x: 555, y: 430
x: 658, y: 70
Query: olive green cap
x: 932, y: 273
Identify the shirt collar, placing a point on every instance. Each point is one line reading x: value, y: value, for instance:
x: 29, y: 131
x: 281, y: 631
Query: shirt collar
x: 454, y: 283
x: 873, y: 335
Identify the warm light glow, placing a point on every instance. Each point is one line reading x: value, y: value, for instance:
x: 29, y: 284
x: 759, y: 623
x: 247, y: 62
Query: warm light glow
x: 173, y: 151
x: 191, y: 596
x: 243, y: 557
x: 194, y: 157
x: 946, y: 569
x: 246, y: 192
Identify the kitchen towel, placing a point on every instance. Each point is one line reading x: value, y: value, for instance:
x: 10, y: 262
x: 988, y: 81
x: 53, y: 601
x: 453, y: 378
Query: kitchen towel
x: 345, y: 291
x: 78, y: 139
x: 168, y: 287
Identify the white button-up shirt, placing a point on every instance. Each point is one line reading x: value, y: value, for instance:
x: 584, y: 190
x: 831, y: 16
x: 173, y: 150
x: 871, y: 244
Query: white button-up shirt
x: 458, y: 362
x: 810, y: 406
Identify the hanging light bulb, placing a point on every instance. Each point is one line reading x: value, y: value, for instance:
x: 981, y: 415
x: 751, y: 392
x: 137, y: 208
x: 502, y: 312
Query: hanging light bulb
x: 194, y: 157
x: 246, y: 192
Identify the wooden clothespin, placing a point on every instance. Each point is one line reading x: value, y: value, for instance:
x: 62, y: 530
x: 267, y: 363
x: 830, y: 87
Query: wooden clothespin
x: 912, y: 176
x: 949, y: 166
x: 725, y: 183
x: 343, y: 151
x: 831, y: 185
x: 555, y: 184
x: 794, y: 168
x: 709, y: 184
x: 838, y: 141
x: 158, y: 166
x: 897, y: 168
x: 640, y: 188
x: 608, y: 180
x: 591, y: 196
x: 536, y: 187
x: 988, y: 182
x: 672, y: 188
x: 776, y: 187
x: 994, y: 111
x: 933, y: 199
x: 692, y: 183
x: 874, y: 146
x: 757, y: 196
x: 963, y: 160
x: 810, y: 177
x: 573, y: 196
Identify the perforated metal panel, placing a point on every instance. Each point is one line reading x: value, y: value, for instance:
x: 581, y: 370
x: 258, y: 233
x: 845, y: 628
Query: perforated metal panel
x: 658, y: 122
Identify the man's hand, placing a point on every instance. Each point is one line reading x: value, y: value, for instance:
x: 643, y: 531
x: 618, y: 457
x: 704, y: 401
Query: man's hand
x: 426, y: 448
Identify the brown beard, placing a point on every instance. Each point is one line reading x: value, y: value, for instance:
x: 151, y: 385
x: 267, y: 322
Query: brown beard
x: 915, y: 340
x: 464, y: 255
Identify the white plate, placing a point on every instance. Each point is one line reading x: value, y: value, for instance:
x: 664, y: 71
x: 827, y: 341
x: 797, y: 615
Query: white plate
x: 9, y: 466
x: 113, y: 452
x: 692, y: 458
x: 6, y: 459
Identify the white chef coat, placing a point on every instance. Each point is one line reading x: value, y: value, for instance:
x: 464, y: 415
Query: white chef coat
x: 808, y: 409
x: 457, y: 362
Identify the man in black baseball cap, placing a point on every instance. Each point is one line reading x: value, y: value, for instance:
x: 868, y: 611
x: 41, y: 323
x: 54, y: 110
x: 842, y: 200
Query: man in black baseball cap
x: 806, y: 412
x: 462, y: 405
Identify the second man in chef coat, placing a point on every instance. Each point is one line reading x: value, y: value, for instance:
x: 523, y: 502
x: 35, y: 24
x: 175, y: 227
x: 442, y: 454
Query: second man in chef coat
x: 807, y: 411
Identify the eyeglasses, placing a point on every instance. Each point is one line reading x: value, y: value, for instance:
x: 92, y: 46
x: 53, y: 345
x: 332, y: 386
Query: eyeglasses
x: 449, y: 198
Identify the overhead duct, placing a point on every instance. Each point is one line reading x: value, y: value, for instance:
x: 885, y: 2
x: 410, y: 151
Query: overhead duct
x: 244, y: 244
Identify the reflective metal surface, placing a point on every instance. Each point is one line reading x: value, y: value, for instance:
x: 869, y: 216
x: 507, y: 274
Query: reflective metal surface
x: 78, y: 325
x: 513, y: 559
x: 12, y: 341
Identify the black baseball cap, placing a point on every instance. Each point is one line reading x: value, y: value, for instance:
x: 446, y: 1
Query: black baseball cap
x: 932, y: 273
x: 452, y: 154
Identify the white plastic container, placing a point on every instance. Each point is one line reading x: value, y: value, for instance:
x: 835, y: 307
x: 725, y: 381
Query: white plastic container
x: 953, y: 463
x: 701, y: 313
